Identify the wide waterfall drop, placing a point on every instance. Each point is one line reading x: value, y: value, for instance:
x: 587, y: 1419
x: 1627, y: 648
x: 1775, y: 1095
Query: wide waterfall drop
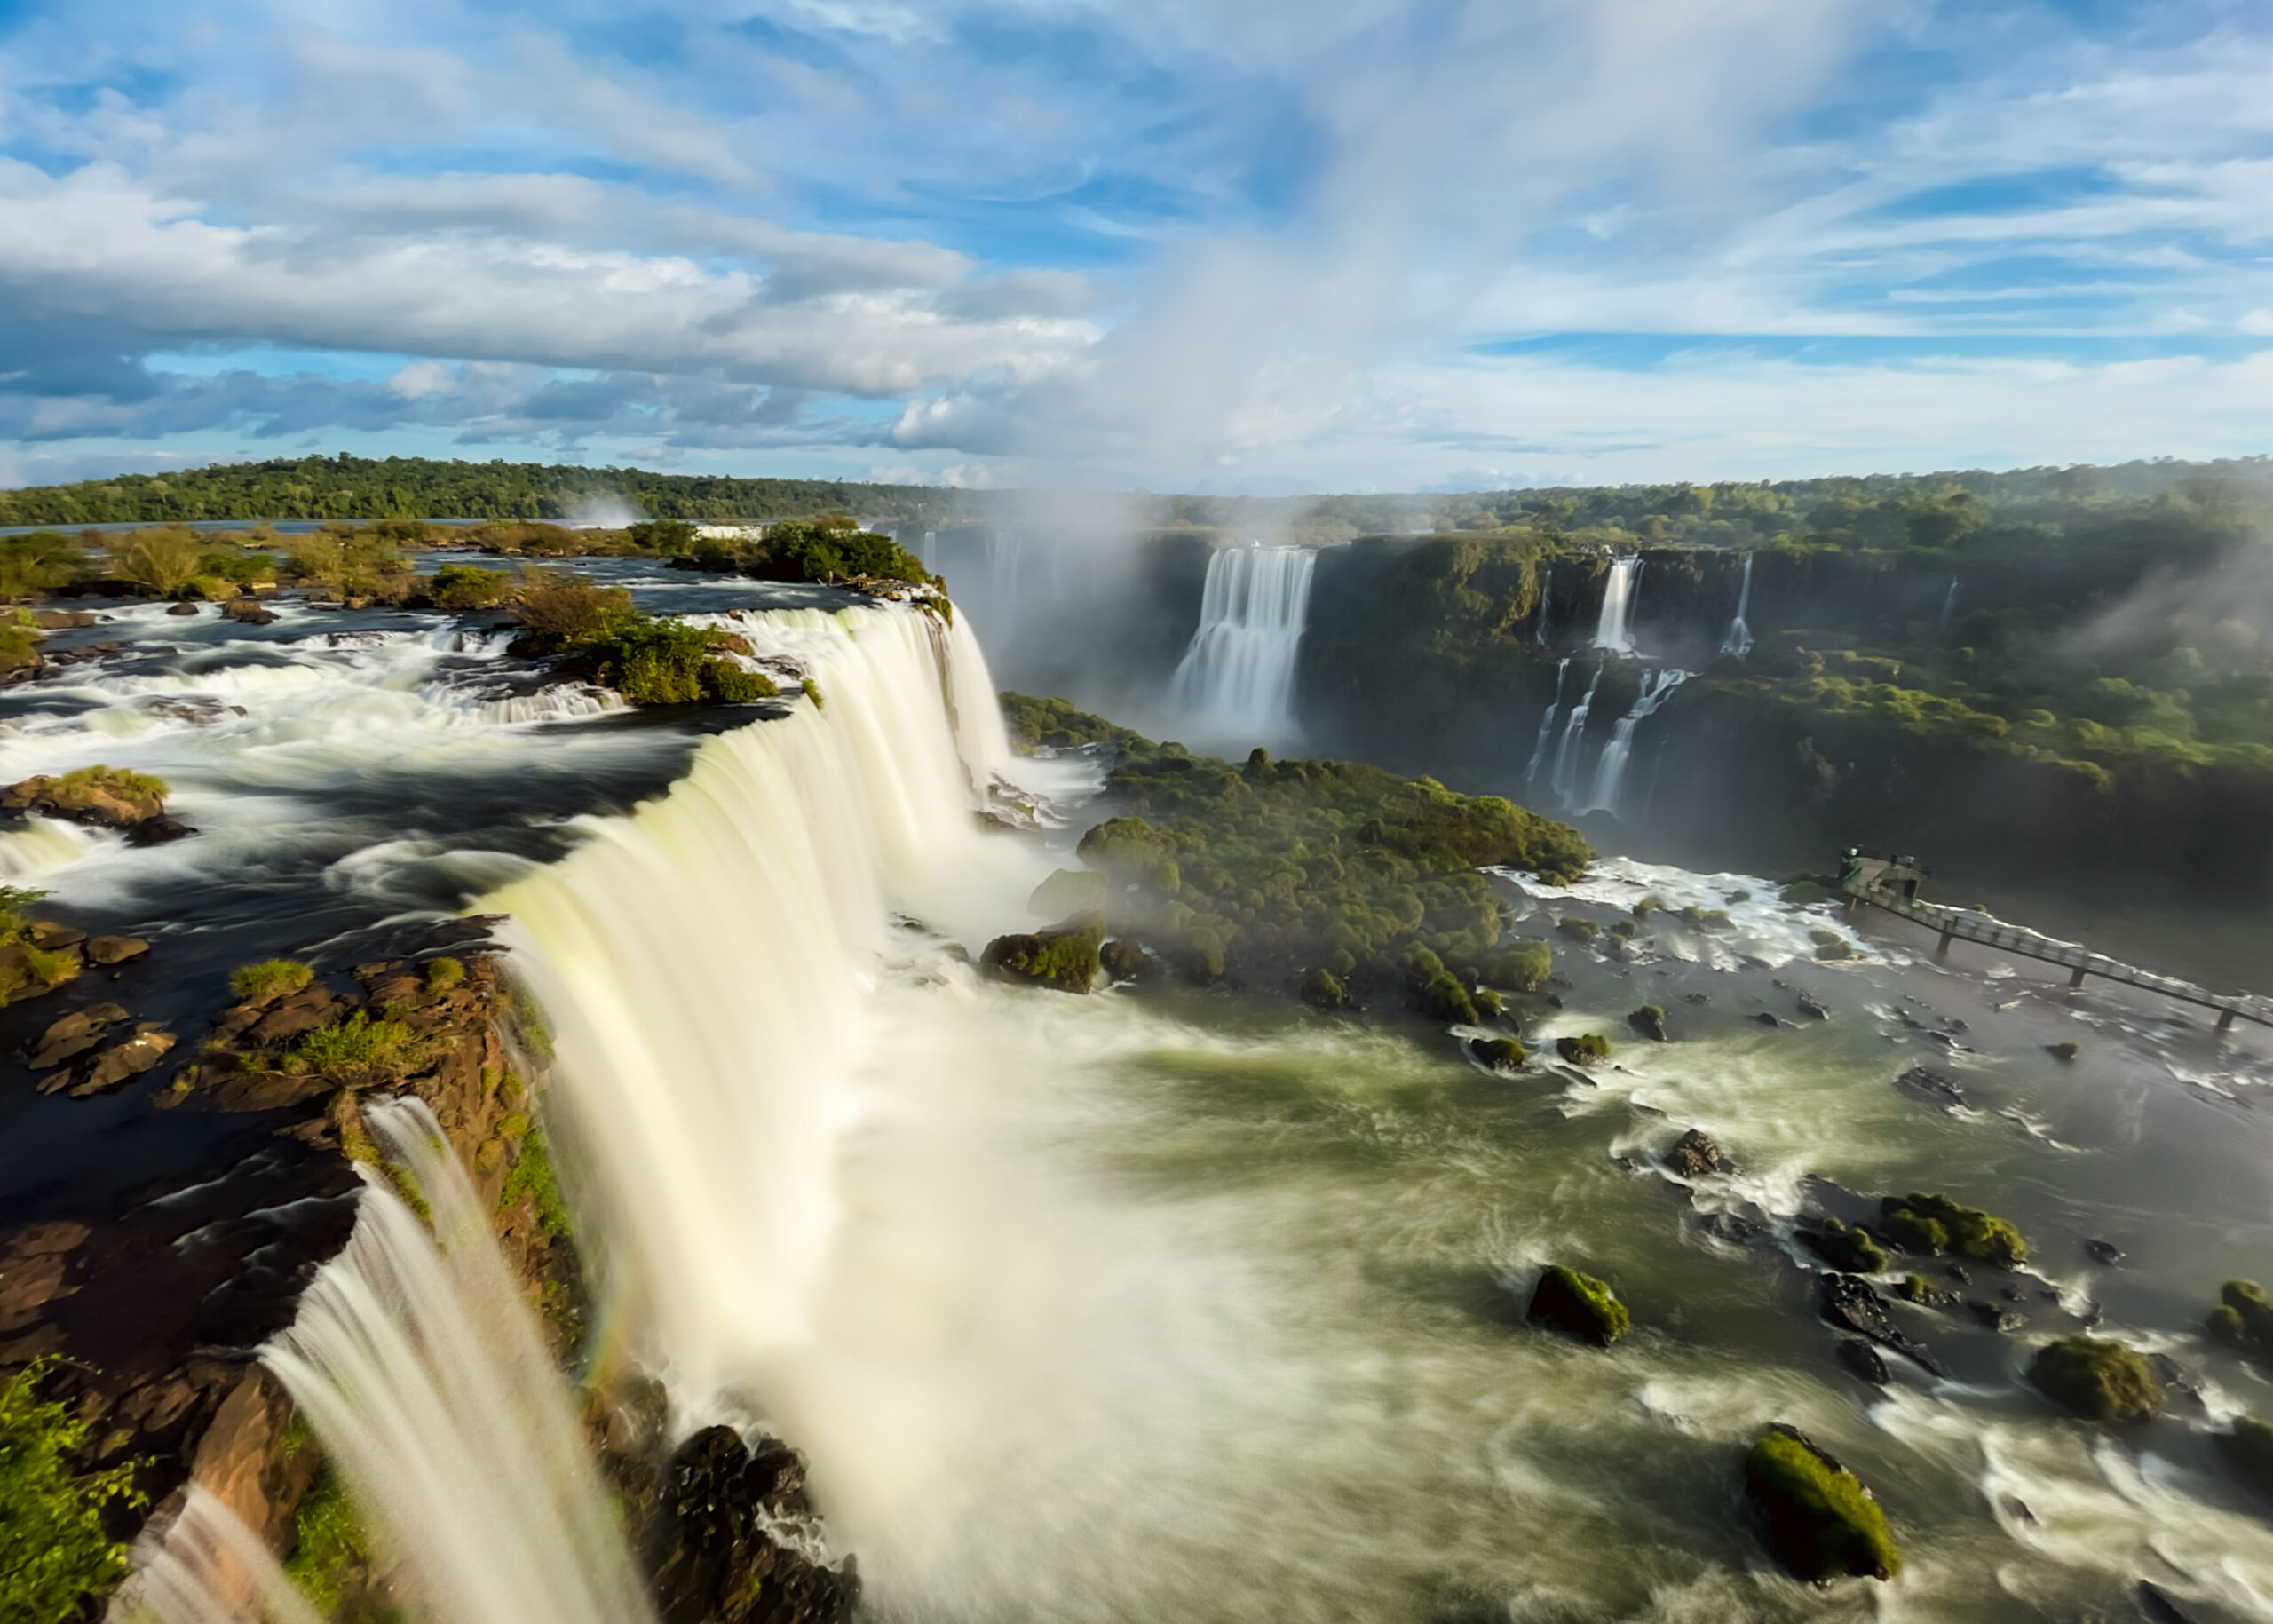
x: 1739, y: 640
x: 424, y: 1377
x: 1618, y: 754
x: 1615, y: 631
x: 1547, y: 725
x: 1236, y: 683
x: 1565, y: 782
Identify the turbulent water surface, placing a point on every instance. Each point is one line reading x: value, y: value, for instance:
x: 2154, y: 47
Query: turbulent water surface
x: 1177, y: 1304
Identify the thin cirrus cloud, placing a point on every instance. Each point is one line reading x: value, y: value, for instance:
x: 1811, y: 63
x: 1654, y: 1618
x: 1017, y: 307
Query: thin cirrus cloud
x: 1271, y: 246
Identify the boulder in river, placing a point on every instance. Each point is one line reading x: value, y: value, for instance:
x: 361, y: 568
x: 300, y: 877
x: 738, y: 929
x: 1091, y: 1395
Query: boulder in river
x: 1650, y: 1022
x: 116, y: 949
x: 2249, y: 1446
x: 1822, y: 1522
x: 1063, y: 959
x: 106, y: 797
x: 716, y: 1560
x: 1929, y: 1085
x: 1586, y: 1049
x: 1579, y: 1304
x: 2097, y: 1378
x: 1850, y: 1303
x: 74, y: 1034
x: 2244, y: 1317
x: 1864, y: 1360
x: 1121, y: 961
x: 1849, y: 1250
x: 1814, y: 1007
x: 1695, y: 1154
x: 1497, y: 1054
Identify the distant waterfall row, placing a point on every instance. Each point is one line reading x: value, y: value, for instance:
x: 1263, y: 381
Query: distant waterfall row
x: 1236, y: 683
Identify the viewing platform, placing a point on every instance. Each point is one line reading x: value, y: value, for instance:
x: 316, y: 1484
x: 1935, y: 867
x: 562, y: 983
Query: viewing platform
x: 1893, y: 883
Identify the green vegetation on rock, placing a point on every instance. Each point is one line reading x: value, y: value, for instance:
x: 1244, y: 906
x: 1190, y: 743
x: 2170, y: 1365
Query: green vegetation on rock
x: 2250, y: 1447
x: 330, y: 1551
x: 460, y: 587
x: 270, y: 978
x: 2244, y: 1317
x: 357, y: 1049
x: 1586, y: 1049
x: 443, y: 974
x: 1498, y: 1054
x: 1056, y: 724
x: 54, y: 1550
x: 1066, y: 960
x: 2096, y: 1378
x: 1847, y: 1249
x: 534, y: 1176
x: 1822, y: 1522
x: 1322, y: 989
x: 650, y: 660
x: 1923, y: 1222
x: 1580, y: 1304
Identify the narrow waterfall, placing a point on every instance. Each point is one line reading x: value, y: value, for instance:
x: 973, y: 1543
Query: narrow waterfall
x: 1949, y: 609
x: 1545, y: 592
x: 424, y: 1376
x: 1546, y: 726
x: 207, y: 1567
x: 1615, y: 631
x: 1565, y: 779
x: 707, y: 963
x: 1610, y: 772
x: 929, y: 554
x: 1237, y: 679
x: 1739, y: 640
x: 1004, y: 562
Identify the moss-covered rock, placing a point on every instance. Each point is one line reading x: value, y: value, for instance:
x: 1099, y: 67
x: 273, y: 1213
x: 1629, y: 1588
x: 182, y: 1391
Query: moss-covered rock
x: 1926, y: 1223
x: 106, y: 797
x: 2066, y: 1050
x: 1822, y: 1522
x: 1580, y: 1304
x: 1586, y: 1049
x: 1122, y: 961
x: 2097, y: 1378
x: 2249, y: 1446
x: 1650, y: 1022
x: 1322, y: 989
x: 1054, y: 723
x: 1521, y: 966
x: 1066, y: 960
x: 1848, y: 1249
x: 1497, y: 1054
x: 1579, y: 929
x: 2244, y: 1317
x: 1443, y: 998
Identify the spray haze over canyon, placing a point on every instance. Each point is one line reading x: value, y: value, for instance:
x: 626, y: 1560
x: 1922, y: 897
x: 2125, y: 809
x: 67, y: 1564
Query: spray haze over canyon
x: 831, y: 811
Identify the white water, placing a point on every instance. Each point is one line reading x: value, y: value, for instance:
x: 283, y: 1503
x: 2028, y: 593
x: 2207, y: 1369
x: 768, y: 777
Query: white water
x: 207, y: 1567
x: 1547, y: 725
x: 1565, y: 779
x: 1546, y: 587
x: 1739, y: 640
x: 1949, y: 609
x: 424, y: 1376
x: 1618, y: 754
x: 1236, y: 683
x: 1615, y: 631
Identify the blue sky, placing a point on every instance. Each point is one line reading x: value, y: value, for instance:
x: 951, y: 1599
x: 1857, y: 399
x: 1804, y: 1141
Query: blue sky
x: 1268, y: 246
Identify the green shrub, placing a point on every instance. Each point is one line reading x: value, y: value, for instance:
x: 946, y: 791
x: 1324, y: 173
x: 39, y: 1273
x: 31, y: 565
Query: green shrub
x: 1323, y: 989
x: 37, y: 563
x: 117, y: 781
x: 1578, y: 929
x: 54, y: 1550
x: 468, y: 586
x: 1923, y: 1222
x: 1443, y: 998
x: 1487, y: 1003
x: 443, y: 974
x: 1066, y: 960
x: 1055, y: 722
x: 270, y: 978
x: 358, y: 1047
x: 329, y: 1547
x: 1822, y: 1521
x: 725, y: 683
x: 161, y: 559
x: 1580, y: 1304
x: 534, y: 1176
x: 2103, y: 1379
x: 16, y: 903
x: 2250, y: 1447
x: 835, y: 548
x: 1498, y: 1054
x: 1586, y: 1049
x: 52, y: 968
x: 2243, y: 1317
x: 811, y: 691
x: 1524, y: 964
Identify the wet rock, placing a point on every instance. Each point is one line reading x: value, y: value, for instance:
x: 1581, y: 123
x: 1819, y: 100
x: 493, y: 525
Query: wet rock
x: 249, y: 612
x: 1864, y: 1360
x: 1579, y: 1304
x: 1851, y: 1304
x: 183, y: 609
x: 1639, y: 1109
x: 1849, y: 1250
x: 1502, y: 1054
x: 1814, y: 1008
x: 99, y: 797
x: 1122, y: 961
x: 1699, y: 999
x: 59, y: 620
x: 121, y: 1064
x: 1649, y: 1021
x: 2103, y: 1252
x: 1765, y: 1019
x: 1822, y: 1523
x: 312, y: 1006
x: 48, y: 934
x: 716, y: 1560
x: 2157, y: 1605
x: 1695, y: 1154
x: 116, y: 949
x: 2002, y: 1320
x: 1923, y: 1083
x: 158, y: 830
x: 34, y: 1266
x: 74, y: 1034
x: 1066, y: 960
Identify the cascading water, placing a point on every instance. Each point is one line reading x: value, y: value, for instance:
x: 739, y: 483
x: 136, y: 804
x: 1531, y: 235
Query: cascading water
x: 1545, y: 592
x: 1949, y: 609
x: 207, y: 1567
x: 1236, y: 683
x: 1564, y: 781
x: 1739, y: 640
x: 425, y: 1378
x: 1618, y: 754
x: 1547, y: 725
x: 930, y: 555
x: 1615, y: 631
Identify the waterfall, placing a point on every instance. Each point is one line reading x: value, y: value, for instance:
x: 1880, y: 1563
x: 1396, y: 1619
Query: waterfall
x: 1546, y: 726
x: 1739, y: 640
x: 207, y: 1567
x: 930, y: 555
x: 707, y: 963
x: 424, y: 1376
x: 1615, y: 631
x: 1546, y: 588
x: 1610, y: 772
x: 1237, y: 679
x: 1004, y: 560
x: 1565, y: 779
x: 1949, y: 607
